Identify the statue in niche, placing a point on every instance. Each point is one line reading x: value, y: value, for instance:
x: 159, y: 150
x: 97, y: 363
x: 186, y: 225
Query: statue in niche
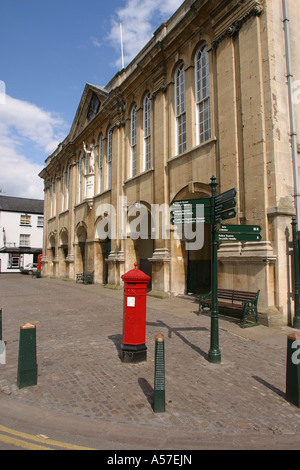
x: 90, y: 154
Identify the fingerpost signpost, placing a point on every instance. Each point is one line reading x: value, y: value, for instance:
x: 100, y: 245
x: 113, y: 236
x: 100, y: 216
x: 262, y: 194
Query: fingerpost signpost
x: 216, y: 209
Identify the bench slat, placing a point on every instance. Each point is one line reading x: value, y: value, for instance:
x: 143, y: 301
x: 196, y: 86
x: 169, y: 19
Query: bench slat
x: 242, y: 300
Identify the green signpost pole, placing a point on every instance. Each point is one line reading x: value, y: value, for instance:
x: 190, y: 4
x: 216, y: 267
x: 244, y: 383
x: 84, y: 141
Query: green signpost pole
x: 214, y: 354
x: 296, y: 323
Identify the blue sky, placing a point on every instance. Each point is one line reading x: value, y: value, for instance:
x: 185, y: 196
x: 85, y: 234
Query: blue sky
x: 49, y: 50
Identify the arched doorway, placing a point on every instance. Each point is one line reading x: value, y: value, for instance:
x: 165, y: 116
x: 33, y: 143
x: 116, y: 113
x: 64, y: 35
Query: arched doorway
x: 51, y: 253
x: 192, y: 267
x: 103, y: 249
x: 198, y: 279
x: 81, y: 248
x: 63, y: 252
x: 139, y: 229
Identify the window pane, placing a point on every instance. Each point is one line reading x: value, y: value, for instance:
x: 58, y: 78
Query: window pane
x: 133, y: 161
x: 182, y: 133
x: 14, y: 261
x: 109, y: 156
x: 180, y: 90
x: 180, y: 109
x: 147, y: 131
x: 133, y: 142
x: 40, y: 221
x: 25, y: 219
x: 202, y: 95
x: 147, y: 154
x: 24, y: 240
x: 204, y: 121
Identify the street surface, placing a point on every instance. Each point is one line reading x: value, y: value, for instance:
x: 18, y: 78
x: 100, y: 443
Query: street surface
x: 87, y: 397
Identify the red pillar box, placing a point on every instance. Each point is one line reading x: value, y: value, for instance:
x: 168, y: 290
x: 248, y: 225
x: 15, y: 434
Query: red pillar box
x: 39, y: 259
x: 133, y: 347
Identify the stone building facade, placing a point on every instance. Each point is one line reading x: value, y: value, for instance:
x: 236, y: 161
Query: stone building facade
x: 206, y: 96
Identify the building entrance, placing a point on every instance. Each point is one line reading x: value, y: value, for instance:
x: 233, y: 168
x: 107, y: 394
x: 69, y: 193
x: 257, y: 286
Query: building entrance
x: 199, y: 267
x: 191, y: 271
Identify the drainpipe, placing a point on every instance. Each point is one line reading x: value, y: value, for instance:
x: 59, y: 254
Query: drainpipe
x: 293, y: 131
x: 295, y: 223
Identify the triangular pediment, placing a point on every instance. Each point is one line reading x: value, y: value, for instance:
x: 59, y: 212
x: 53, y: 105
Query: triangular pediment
x: 90, y: 105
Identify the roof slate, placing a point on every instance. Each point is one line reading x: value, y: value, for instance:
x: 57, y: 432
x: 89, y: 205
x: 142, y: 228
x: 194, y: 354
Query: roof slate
x: 19, y: 204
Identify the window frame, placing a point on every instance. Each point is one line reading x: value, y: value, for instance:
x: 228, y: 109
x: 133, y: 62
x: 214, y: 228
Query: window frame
x: 133, y: 140
x: 202, y: 95
x: 24, y: 240
x: 109, y: 157
x: 147, y: 132
x: 25, y: 220
x: 100, y: 163
x: 12, y: 258
x: 180, y: 110
x: 79, y: 178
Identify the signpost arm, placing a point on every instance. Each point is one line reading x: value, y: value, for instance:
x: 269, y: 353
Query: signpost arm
x: 296, y: 323
x: 214, y: 354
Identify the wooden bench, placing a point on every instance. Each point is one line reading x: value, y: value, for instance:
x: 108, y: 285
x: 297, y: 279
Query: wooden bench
x: 86, y: 277
x: 233, y: 299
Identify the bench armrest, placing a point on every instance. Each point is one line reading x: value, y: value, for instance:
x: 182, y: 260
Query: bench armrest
x: 253, y: 302
x: 203, y: 297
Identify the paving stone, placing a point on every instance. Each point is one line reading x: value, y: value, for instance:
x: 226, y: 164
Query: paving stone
x: 79, y: 332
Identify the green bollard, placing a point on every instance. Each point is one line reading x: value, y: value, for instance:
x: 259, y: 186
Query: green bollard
x: 293, y: 370
x: 27, y: 365
x: 2, y: 343
x: 159, y: 378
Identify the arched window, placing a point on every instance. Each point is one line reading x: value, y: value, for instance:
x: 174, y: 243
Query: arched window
x: 52, y: 199
x: 68, y: 186
x: 202, y: 96
x: 180, y: 110
x: 133, y: 141
x: 79, y: 178
x: 147, y: 133
x: 108, y: 158
x: 100, y: 164
x: 63, y: 182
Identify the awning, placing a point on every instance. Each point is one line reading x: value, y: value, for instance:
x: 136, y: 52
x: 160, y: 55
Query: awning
x: 20, y: 250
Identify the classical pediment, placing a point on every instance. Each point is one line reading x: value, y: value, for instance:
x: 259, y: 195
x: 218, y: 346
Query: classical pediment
x: 90, y: 105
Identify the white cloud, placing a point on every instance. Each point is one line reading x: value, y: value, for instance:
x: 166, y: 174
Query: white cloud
x: 139, y: 19
x: 96, y: 42
x: 26, y: 131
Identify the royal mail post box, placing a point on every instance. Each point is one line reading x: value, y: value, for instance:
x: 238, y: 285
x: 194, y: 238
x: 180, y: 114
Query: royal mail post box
x: 133, y: 348
x: 39, y: 259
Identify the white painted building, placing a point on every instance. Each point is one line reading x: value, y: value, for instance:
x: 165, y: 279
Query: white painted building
x: 21, y: 227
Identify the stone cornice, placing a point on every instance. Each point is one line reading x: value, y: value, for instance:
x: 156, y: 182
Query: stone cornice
x: 241, y: 15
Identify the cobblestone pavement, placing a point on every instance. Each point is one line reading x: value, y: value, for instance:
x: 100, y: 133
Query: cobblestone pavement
x: 239, y: 403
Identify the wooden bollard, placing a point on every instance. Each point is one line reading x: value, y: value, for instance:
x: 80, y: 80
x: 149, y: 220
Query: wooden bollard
x: 159, y: 404
x: 27, y: 365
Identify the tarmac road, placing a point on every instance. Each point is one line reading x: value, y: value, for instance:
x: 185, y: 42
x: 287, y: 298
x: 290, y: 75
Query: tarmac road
x: 87, y: 397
